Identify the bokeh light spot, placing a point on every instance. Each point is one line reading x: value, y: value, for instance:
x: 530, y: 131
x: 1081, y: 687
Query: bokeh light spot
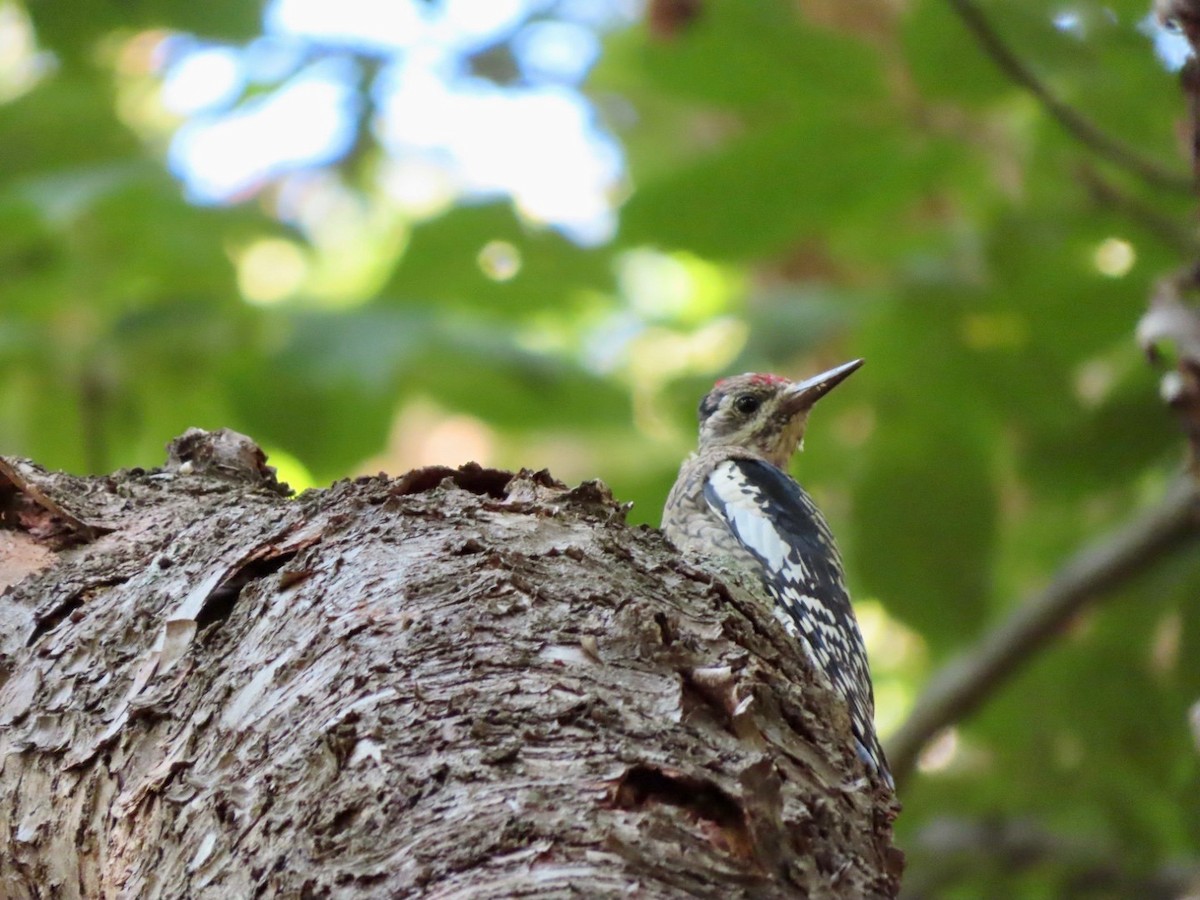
x: 1114, y: 257
x: 271, y: 270
x: 500, y: 260
x: 939, y: 753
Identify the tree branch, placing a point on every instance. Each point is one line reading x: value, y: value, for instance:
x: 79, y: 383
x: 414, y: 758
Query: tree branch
x: 1075, y: 123
x: 1173, y: 232
x: 963, y: 684
x: 951, y: 851
x: 458, y: 682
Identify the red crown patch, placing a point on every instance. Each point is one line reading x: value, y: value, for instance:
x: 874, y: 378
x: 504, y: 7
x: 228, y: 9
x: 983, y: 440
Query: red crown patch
x: 756, y: 379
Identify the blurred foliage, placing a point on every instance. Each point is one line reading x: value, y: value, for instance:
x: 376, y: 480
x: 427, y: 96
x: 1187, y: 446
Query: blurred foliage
x: 806, y: 182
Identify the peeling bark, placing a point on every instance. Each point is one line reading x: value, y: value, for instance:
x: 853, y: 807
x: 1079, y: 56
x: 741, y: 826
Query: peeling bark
x: 457, y: 683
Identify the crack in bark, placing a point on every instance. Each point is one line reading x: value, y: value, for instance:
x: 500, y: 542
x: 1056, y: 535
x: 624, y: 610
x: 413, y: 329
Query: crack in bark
x: 220, y: 603
x: 54, y: 617
x: 666, y: 628
x: 721, y: 816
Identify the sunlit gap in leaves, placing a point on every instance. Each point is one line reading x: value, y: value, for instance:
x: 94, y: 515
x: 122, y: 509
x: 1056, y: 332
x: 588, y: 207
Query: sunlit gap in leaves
x: 899, y: 660
x: 308, y: 121
x: 425, y: 434
x: 940, y: 753
x: 351, y: 248
x: 671, y: 327
x: 1114, y: 257
x: 22, y: 65
x: 355, y: 238
x: 1069, y: 21
x: 950, y: 753
x: 271, y: 270
x: 289, y: 470
x: 1170, y: 45
x: 419, y: 187
x: 452, y: 132
x: 660, y: 355
x: 676, y: 287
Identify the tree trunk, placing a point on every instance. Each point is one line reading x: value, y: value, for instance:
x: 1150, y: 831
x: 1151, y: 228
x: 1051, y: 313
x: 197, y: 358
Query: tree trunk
x: 457, y: 683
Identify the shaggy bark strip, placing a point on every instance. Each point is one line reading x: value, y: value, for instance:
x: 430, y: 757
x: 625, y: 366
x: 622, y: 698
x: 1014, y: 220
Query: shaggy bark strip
x: 458, y: 683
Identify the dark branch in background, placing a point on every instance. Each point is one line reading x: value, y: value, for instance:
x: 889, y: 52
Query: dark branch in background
x: 952, y: 852
x: 1171, y: 230
x: 1184, y: 16
x: 1172, y: 315
x: 962, y: 685
x: 1142, y: 543
x: 1085, y: 130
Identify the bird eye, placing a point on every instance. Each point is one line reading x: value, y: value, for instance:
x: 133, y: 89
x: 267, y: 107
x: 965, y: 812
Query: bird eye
x: 746, y: 404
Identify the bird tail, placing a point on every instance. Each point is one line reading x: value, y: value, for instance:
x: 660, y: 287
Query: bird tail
x: 874, y: 759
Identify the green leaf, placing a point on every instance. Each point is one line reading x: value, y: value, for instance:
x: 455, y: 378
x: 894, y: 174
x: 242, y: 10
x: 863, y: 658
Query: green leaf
x: 65, y: 122
x: 772, y: 187
x: 72, y: 29
x: 925, y: 528
x: 760, y: 58
x: 539, y: 269
x: 945, y: 60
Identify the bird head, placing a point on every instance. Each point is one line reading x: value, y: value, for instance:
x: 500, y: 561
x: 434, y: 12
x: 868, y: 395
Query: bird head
x: 766, y: 414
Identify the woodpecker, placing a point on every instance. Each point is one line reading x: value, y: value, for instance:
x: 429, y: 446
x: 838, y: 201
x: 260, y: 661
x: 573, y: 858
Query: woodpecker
x: 735, y: 507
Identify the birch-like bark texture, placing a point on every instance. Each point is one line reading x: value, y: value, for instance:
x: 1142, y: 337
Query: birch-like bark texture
x: 456, y: 683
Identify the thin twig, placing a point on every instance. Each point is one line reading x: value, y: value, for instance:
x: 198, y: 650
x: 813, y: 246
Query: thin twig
x: 1170, y: 230
x: 962, y: 685
x: 1085, y: 130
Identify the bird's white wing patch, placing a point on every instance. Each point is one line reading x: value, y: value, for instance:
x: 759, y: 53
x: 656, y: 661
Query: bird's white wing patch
x: 743, y: 509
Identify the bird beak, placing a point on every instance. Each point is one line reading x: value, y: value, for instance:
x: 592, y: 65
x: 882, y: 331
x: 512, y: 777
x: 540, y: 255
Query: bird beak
x: 803, y: 394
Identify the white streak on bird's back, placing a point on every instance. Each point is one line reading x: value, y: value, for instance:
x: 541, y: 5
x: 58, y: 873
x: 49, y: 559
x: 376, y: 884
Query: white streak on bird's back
x: 744, y: 510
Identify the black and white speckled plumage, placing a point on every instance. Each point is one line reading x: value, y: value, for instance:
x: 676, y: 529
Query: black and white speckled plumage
x: 735, y: 506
